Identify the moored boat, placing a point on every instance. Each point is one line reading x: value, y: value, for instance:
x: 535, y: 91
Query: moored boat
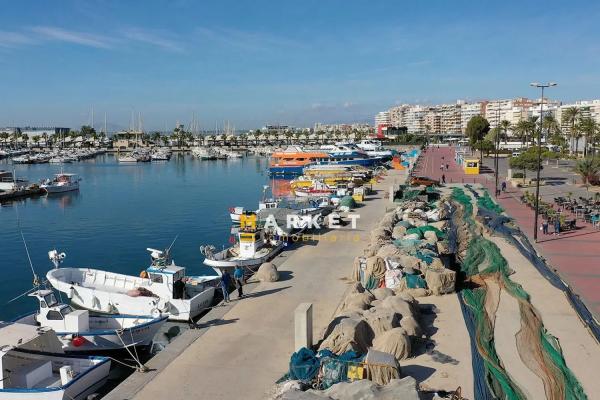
x: 61, y: 183
x: 80, y: 332
x: 35, y: 368
x: 162, y: 288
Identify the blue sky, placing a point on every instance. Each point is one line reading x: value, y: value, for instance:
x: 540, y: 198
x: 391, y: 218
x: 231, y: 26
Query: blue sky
x: 289, y: 62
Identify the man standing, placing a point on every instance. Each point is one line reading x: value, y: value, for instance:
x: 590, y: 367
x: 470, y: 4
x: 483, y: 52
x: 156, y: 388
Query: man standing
x: 225, y: 282
x: 443, y: 179
x: 503, y: 186
x: 545, y: 226
x: 238, y: 275
x: 557, y: 225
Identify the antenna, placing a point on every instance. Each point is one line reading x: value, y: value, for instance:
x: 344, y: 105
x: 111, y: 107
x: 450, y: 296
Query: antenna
x: 36, y: 279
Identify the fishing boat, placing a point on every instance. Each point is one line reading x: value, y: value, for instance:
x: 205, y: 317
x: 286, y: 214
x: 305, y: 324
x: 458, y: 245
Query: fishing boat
x: 9, y: 181
x: 80, y: 332
x: 61, y: 183
x: 127, y: 158
x: 253, y: 247
x: 34, y: 366
x: 162, y: 288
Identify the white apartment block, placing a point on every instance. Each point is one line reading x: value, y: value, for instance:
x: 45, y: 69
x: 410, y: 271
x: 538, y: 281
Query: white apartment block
x: 415, y: 119
x: 588, y: 109
x: 450, y: 118
x: 382, y: 118
x: 468, y: 111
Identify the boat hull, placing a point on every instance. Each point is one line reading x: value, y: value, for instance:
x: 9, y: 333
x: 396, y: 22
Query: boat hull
x: 139, y: 335
x: 80, y: 387
x: 219, y: 261
x: 111, y: 300
x: 59, y: 189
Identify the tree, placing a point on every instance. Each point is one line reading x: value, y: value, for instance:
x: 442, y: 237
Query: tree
x: 477, y: 128
x: 570, y: 117
x: 505, y: 126
x: 87, y: 130
x: 485, y: 146
x: 588, y: 128
x: 588, y: 169
x: 526, y: 161
x: 551, y: 126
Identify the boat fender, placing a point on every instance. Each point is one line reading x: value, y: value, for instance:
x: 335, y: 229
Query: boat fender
x: 155, y: 312
x: 78, y: 341
x: 71, y: 293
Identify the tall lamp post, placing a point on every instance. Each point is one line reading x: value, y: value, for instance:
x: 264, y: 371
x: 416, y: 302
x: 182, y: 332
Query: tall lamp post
x: 539, y: 156
x: 497, y: 143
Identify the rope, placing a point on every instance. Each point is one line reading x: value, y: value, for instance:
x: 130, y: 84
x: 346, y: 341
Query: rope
x: 141, y: 367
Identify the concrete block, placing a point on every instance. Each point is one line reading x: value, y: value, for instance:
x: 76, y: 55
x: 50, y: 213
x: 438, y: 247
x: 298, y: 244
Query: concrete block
x: 303, y: 326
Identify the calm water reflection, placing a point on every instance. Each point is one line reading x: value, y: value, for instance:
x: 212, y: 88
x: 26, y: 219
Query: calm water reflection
x: 118, y: 212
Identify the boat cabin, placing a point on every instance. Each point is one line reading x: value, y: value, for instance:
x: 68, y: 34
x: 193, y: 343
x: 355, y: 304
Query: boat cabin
x: 58, y: 316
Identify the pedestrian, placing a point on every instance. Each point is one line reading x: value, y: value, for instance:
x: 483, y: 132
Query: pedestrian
x: 443, y: 179
x: 557, y: 226
x: 447, y: 166
x: 238, y: 275
x: 503, y: 186
x: 442, y: 167
x: 545, y: 226
x: 225, y: 282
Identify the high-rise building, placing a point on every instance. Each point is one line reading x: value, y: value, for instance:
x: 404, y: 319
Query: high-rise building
x: 468, y: 111
x: 587, y: 109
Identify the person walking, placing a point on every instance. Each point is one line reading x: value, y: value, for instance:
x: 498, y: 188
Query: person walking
x: 557, y: 226
x: 443, y: 179
x: 225, y: 282
x: 545, y: 226
x: 447, y: 167
x: 503, y: 186
x: 238, y: 275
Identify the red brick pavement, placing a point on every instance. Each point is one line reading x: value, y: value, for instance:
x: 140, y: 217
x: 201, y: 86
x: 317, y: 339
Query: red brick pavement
x: 574, y: 255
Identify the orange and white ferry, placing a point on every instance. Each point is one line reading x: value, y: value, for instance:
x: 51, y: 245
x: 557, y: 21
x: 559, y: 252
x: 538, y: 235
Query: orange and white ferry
x: 292, y: 160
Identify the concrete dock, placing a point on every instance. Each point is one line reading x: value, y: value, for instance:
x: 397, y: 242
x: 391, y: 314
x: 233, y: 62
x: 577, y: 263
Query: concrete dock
x: 248, y: 347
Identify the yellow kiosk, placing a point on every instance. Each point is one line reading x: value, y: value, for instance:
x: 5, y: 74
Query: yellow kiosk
x: 471, y: 166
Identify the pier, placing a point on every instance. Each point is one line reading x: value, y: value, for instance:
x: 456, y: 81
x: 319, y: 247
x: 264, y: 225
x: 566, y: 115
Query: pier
x: 246, y: 348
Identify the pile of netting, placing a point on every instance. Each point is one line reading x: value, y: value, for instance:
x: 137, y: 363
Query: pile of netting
x: 539, y: 350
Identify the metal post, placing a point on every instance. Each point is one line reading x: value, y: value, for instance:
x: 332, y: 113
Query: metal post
x: 539, y: 157
x: 539, y: 160
x: 496, y: 161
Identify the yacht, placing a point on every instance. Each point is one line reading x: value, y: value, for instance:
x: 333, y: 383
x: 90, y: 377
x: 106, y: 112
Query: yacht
x: 8, y: 181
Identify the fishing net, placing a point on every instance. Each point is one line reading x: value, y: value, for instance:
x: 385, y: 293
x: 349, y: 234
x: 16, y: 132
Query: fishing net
x: 374, y: 272
x: 537, y: 348
x: 381, y: 320
x: 348, y: 334
x: 395, y: 341
x: 440, y: 281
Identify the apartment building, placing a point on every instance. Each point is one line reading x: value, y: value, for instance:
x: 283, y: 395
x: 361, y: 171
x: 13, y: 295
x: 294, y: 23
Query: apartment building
x: 450, y: 117
x: 382, y: 118
x: 398, y: 115
x: 587, y: 109
x: 468, y: 111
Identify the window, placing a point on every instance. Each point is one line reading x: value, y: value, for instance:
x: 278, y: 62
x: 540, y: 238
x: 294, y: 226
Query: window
x: 43, y: 304
x: 156, y: 278
x: 54, y: 316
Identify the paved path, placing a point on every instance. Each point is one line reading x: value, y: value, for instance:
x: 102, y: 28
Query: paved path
x: 244, y: 355
x: 575, y: 255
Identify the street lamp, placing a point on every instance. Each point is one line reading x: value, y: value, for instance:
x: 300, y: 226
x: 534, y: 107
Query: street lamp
x: 539, y: 156
x: 497, y: 144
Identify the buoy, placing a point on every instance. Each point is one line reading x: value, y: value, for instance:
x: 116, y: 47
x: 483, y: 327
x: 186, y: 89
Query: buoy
x: 78, y: 341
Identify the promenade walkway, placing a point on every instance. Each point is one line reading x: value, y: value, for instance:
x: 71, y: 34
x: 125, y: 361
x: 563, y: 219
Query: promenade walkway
x: 574, y: 255
x: 245, y: 354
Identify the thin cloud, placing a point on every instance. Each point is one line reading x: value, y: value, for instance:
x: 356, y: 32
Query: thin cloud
x: 152, y: 38
x: 247, y: 40
x: 14, y: 39
x: 81, y: 38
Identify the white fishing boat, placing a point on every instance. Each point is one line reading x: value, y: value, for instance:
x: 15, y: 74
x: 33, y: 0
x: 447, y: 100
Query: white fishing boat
x: 61, y: 183
x: 162, y: 288
x: 204, y: 153
x: 253, y: 247
x: 35, y: 368
x: 80, y: 332
x: 8, y: 181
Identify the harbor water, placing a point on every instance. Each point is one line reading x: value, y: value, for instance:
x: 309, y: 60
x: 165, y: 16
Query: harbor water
x: 119, y: 211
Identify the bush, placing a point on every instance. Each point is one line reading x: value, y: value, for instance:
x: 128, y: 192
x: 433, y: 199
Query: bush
x: 517, y: 175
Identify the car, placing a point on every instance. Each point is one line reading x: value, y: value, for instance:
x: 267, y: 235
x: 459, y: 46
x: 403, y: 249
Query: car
x: 424, y: 181
x: 516, y: 153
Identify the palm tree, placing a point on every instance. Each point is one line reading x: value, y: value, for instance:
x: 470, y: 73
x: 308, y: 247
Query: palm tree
x: 570, y: 116
x: 551, y: 126
x: 505, y: 126
x: 427, y: 132
x: 521, y: 130
x: 588, y: 128
x: 588, y: 170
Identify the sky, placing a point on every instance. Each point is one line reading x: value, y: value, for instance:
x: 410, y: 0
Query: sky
x: 259, y: 62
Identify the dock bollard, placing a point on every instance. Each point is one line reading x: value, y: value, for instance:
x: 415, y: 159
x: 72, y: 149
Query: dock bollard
x: 303, y: 327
